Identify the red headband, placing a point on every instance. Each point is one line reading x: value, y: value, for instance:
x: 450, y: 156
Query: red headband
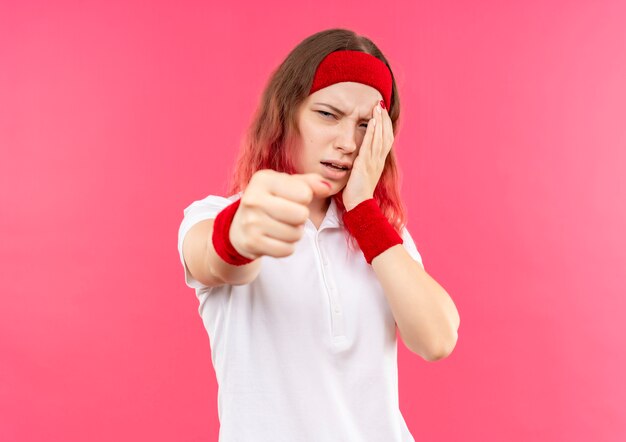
x: 357, y: 66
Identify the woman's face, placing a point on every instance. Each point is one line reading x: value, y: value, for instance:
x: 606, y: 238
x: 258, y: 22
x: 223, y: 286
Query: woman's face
x: 332, y: 123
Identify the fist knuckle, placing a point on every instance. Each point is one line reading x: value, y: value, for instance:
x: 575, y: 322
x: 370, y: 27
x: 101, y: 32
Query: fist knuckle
x: 305, y: 215
x: 288, y: 249
x: 245, y: 201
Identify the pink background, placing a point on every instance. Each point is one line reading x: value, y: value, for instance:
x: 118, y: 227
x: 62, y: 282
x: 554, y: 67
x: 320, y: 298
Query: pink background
x: 116, y: 116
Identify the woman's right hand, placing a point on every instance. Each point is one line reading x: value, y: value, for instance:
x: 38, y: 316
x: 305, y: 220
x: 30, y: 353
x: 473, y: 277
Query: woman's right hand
x: 273, y: 210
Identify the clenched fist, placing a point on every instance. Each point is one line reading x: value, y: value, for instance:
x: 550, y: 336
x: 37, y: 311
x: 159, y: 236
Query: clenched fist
x: 272, y: 212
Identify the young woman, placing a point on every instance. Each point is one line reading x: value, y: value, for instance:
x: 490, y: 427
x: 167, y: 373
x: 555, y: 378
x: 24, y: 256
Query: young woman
x: 306, y: 268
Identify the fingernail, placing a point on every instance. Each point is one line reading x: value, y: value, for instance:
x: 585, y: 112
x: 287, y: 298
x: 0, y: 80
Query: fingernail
x: 382, y: 104
x: 327, y: 183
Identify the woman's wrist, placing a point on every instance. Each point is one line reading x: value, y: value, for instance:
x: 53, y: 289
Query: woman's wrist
x: 221, y: 236
x: 371, y: 229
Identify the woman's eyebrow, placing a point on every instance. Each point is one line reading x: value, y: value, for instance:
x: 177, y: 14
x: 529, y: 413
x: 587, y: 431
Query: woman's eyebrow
x: 339, y: 111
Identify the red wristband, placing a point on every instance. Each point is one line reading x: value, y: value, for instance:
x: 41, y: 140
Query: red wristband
x: 371, y: 229
x: 221, y: 236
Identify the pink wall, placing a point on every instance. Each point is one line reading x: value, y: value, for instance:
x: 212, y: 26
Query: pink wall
x: 114, y: 117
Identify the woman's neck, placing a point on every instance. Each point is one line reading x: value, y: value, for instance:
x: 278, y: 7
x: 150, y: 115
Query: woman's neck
x: 317, y: 210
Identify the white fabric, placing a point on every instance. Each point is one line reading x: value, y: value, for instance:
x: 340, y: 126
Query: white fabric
x: 308, y: 350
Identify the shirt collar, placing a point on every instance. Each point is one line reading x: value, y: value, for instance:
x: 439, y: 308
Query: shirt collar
x: 331, y: 219
x: 332, y: 215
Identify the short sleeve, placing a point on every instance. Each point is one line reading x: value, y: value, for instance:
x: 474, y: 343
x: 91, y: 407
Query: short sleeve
x: 410, y: 247
x: 207, y: 208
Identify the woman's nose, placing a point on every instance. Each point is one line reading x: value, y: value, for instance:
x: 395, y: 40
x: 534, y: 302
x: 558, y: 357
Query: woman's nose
x: 346, y: 140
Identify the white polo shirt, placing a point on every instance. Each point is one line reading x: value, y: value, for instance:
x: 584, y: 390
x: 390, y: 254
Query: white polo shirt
x: 308, y: 350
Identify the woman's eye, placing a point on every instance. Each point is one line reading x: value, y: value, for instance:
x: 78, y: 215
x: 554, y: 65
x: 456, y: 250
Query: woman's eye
x: 326, y: 113
x: 364, y: 125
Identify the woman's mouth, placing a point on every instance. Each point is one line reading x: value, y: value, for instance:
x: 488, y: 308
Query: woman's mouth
x: 333, y: 172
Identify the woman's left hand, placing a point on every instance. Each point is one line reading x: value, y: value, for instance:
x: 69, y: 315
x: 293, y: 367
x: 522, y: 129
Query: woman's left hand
x: 369, y: 163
